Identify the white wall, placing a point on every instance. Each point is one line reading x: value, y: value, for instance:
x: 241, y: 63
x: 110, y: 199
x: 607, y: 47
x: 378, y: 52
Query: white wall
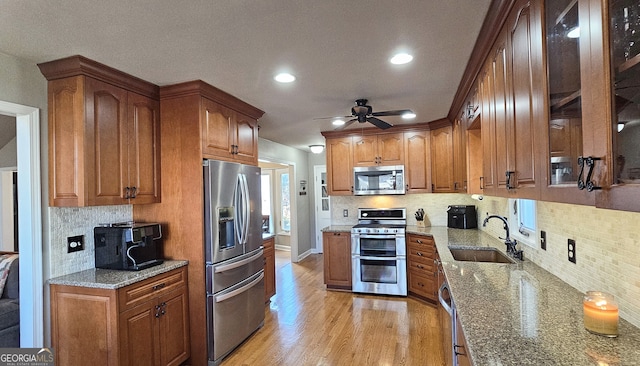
x: 9, y: 154
x: 272, y: 151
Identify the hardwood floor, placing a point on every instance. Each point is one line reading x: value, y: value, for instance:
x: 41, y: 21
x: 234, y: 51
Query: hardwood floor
x: 307, y: 325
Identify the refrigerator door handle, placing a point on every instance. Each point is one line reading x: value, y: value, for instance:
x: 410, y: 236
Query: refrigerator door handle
x: 242, y: 289
x: 240, y: 263
x: 246, y: 201
x: 237, y: 201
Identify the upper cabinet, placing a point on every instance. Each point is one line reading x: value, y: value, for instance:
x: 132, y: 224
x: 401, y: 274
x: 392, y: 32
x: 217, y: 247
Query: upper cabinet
x: 339, y: 166
x: 442, y: 159
x: 227, y: 134
x: 104, y: 135
x: 381, y: 149
x: 417, y: 167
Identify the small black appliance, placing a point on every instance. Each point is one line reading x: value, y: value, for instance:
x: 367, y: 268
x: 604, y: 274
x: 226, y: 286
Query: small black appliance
x: 128, y: 246
x: 462, y: 217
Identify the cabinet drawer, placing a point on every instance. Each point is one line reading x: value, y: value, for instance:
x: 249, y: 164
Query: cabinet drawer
x: 138, y: 293
x: 421, y: 241
x: 421, y: 265
x: 424, y: 253
x: 421, y: 285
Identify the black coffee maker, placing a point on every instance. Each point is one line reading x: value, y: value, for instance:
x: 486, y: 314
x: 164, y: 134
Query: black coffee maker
x: 462, y: 217
x: 128, y: 246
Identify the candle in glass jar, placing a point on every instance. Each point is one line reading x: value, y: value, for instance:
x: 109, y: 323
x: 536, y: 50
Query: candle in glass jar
x: 600, y: 313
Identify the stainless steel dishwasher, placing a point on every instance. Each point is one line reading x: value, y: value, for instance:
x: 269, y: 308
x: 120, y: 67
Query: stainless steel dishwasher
x: 447, y: 313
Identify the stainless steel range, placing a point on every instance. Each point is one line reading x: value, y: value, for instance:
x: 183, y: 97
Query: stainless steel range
x: 379, y: 251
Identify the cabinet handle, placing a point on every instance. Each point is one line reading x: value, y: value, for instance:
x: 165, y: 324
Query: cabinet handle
x: 159, y: 286
x: 157, y: 314
x: 134, y: 192
x: 407, y: 187
x: 418, y: 253
x: 420, y: 266
x: 508, y: 173
x: 419, y: 241
x: 163, y: 308
x: 589, y: 161
x: 420, y: 284
x: 126, y: 193
x: 481, y: 182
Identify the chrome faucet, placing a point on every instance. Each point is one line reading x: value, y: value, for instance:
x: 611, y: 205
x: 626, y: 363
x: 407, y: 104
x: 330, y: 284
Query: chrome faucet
x: 510, y: 243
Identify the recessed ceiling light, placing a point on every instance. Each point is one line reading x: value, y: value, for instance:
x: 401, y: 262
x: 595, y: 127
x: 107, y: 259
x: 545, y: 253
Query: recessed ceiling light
x: 338, y: 122
x: 401, y: 59
x: 409, y: 115
x: 284, y: 77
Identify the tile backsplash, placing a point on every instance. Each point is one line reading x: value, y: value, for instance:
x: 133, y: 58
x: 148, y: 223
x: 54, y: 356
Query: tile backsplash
x: 72, y: 221
x: 607, y: 248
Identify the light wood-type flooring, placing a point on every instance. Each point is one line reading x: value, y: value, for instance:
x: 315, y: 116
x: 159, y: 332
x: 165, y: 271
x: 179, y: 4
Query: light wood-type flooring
x: 307, y: 325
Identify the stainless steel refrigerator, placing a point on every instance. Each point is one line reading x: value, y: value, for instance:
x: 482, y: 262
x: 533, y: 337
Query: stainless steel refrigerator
x: 233, y: 255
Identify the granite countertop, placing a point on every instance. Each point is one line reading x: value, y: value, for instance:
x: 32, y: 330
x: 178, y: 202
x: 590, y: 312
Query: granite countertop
x: 337, y: 229
x: 520, y: 314
x: 112, y: 279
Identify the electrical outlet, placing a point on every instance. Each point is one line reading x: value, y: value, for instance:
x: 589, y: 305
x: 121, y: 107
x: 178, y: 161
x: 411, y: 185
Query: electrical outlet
x: 543, y: 240
x: 345, y: 213
x: 571, y: 246
x: 75, y: 243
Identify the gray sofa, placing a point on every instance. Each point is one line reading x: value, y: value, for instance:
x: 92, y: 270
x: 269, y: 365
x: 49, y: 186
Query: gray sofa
x: 10, y: 309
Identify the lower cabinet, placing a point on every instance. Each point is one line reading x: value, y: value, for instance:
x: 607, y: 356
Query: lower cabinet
x: 145, y: 323
x: 269, y: 268
x: 422, y: 270
x: 461, y: 346
x: 337, y: 259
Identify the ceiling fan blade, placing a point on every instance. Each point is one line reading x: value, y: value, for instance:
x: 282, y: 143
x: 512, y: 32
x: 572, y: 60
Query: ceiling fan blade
x: 347, y: 124
x: 397, y: 112
x: 379, y: 123
x: 334, y: 117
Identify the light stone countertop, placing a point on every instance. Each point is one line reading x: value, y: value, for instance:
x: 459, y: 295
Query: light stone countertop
x: 520, y: 314
x: 337, y: 229
x: 113, y: 279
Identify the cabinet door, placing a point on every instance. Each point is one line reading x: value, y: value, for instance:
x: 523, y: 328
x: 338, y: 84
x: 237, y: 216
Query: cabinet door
x: 246, y: 139
x: 365, y: 150
x: 339, y: 166
x: 462, y: 354
x: 337, y: 259
x: 487, y: 132
x: 390, y: 148
x: 174, y: 327
x: 442, y: 160
x: 459, y: 156
x: 417, y: 167
x: 139, y: 335
x: 106, y: 156
x: 502, y: 111
x: 143, y: 149
x: 217, y: 130
x: 269, y: 269
x: 527, y: 73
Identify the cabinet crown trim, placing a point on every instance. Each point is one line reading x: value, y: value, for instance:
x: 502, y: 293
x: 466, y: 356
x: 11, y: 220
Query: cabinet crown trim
x: 80, y: 65
x: 199, y: 87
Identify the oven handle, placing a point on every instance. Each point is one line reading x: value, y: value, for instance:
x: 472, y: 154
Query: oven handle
x: 444, y: 304
x: 380, y: 258
x: 383, y: 236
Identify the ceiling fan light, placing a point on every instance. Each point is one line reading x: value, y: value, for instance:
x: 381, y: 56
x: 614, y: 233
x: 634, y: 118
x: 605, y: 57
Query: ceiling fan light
x: 338, y: 122
x: 401, y: 59
x: 409, y: 115
x: 316, y: 149
x: 284, y: 77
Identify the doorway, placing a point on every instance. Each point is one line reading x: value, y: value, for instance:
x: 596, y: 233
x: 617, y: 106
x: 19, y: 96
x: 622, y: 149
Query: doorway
x: 278, y: 209
x: 322, y: 203
x: 29, y: 222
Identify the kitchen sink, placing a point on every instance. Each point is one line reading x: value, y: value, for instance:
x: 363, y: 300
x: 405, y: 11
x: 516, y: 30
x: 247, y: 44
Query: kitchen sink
x: 480, y: 254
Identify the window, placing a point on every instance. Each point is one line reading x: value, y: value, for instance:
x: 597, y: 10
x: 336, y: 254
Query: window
x: 265, y: 186
x: 522, y: 220
x: 285, y: 202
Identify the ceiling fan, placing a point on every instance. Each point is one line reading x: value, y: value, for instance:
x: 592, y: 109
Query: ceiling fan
x: 364, y: 113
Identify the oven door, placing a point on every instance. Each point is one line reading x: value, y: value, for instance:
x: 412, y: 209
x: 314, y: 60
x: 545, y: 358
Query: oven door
x: 379, y: 275
x: 383, y: 245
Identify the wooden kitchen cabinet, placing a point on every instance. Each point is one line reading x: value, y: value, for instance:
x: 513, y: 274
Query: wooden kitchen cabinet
x: 442, y: 167
x: 462, y: 353
x: 269, y: 268
x: 104, y: 135
x: 227, y: 134
x: 459, y: 133
x: 339, y: 166
x: 422, y: 270
x: 417, y: 167
x: 337, y: 259
x: 380, y: 149
x: 146, y: 323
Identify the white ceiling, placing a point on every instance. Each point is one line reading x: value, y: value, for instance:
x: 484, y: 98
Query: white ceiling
x: 338, y: 49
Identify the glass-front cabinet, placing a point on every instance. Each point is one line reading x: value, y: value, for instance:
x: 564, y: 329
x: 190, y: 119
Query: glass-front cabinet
x: 567, y: 56
x: 622, y: 183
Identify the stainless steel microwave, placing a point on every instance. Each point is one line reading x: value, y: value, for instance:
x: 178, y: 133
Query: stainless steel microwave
x: 373, y: 180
